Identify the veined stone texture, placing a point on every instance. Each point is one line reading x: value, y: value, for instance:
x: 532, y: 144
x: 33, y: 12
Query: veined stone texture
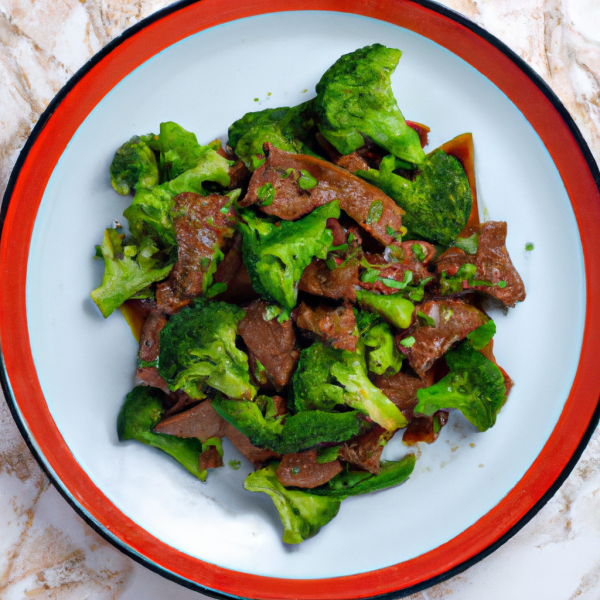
x: 47, y: 551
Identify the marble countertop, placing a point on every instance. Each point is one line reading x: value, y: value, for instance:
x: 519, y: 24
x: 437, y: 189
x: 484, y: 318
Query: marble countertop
x: 47, y: 551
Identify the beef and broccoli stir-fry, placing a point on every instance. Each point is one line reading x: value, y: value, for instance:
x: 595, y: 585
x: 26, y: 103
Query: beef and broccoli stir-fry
x: 308, y: 292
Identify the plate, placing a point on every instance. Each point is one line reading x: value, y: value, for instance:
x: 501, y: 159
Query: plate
x: 66, y: 370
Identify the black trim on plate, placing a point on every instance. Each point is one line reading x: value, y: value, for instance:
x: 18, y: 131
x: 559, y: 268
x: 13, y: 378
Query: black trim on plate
x: 101, y: 530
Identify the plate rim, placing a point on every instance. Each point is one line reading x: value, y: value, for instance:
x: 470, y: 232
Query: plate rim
x: 258, y: 7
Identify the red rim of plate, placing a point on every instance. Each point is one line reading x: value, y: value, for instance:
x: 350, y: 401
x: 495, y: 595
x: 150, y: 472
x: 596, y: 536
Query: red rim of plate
x: 26, y: 187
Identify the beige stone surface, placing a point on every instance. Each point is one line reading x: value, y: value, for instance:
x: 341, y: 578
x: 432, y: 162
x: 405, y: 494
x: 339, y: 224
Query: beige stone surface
x: 46, y: 551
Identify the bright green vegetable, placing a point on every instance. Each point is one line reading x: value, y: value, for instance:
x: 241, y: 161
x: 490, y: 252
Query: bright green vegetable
x: 469, y: 245
x: 475, y: 386
x: 393, y: 307
x: 134, y: 165
x: 140, y: 414
x: 276, y: 256
x: 354, y: 98
x: 285, y: 128
x: 481, y: 336
x: 302, y: 514
x: 327, y: 455
x: 384, y: 358
x: 150, y: 213
x: 197, y: 349
x: 326, y: 378
x: 352, y: 483
x: 299, y: 432
x: 124, y: 274
x: 437, y: 203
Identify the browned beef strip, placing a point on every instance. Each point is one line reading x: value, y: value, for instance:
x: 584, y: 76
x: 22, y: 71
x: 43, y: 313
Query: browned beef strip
x: 200, y: 227
x: 453, y: 321
x: 151, y: 377
x: 335, y: 326
x: 257, y: 456
x: 201, y: 422
x: 233, y: 273
x: 338, y: 284
x: 179, y: 401
x: 339, y: 235
x: 271, y: 342
x: 238, y: 174
x: 210, y: 459
x: 352, y: 162
x: 364, y: 451
x: 149, y: 339
x: 302, y: 470
x: 422, y: 429
x: 356, y: 196
x: 402, y: 388
x: 493, y: 264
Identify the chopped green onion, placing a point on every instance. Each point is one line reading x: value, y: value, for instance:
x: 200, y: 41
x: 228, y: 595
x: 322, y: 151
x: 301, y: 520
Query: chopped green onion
x: 529, y: 247
x: 204, y: 262
x: 306, y: 181
x: 469, y: 244
x: 502, y: 284
x: 375, y: 212
x: 287, y: 173
x: 351, y: 238
x: 418, y: 252
x: 225, y: 209
x: 365, y: 263
x: 272, y: 311
x: 408, y: 342
x: 341, y: 248
x: 266, y: 193
x: 257, y: 161
x: 370, y: 276
x: 398, y: 285
x: 330, y: 262
x: 390, y: 231
x: 234, y: 464
x: 327, y: 455
x: 425, y: 320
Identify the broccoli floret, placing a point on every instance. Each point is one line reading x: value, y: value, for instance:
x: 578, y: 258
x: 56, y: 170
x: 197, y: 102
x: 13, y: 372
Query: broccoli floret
x: 302, y: 514
x: 127, y: 270
x: 134, y: 165
x: 150, y: 213
x: 355, y: 98
x: 140, y: 413
x: 437, y: 203
x: 475, y: 386
x: 352, y: 483
x: 197, y: 349
x: 301, y: 431
x: 275, y: 257
x: 384, y: 358
x: 393, y: 308
x: 285, y: 128
x: 327, y: 377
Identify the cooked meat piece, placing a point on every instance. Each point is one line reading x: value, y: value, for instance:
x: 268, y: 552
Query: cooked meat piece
x: 150, y: 376
x: 210, y: 459
x: 364, y: 451
x: 302, y: 470
x: 423, y: 429
x: 339, y: 235
x: 257, y: 456
x: 494, y: 265
x: 149, y: 339
x: 201, y: 422
x: 280, y: 405
x: 352, y: 162
x: 453, y: 321
x: 238, y: 174
x: 405, y: 253
x: 200, y: 228
x: 271, y: 342
x: 178, y: 401
x: 338, y: 284
x: 402, y: 388
x: 232, y: 271
x: 335, y: 326
x: 362, y: 201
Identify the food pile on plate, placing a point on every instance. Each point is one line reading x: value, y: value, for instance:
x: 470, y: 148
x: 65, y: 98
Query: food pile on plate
x: 308, y: 292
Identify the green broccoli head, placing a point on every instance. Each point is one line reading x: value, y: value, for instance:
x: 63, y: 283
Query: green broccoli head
x: 134, y: 165
x: 127, y: 270
x: 355, y: 98
x: 384, y: 356
x: 295, y: 433
x: 475, y: 386
x: 197, y: 349
x: 302, y: 514
x: 394, y: 308
x: 327, y: 377
x: 276, y: 257
x: 284, y: 127
x: 150, y: 213
x: 139, y: 415
x: 437, y: 203
x: 353, y: 483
